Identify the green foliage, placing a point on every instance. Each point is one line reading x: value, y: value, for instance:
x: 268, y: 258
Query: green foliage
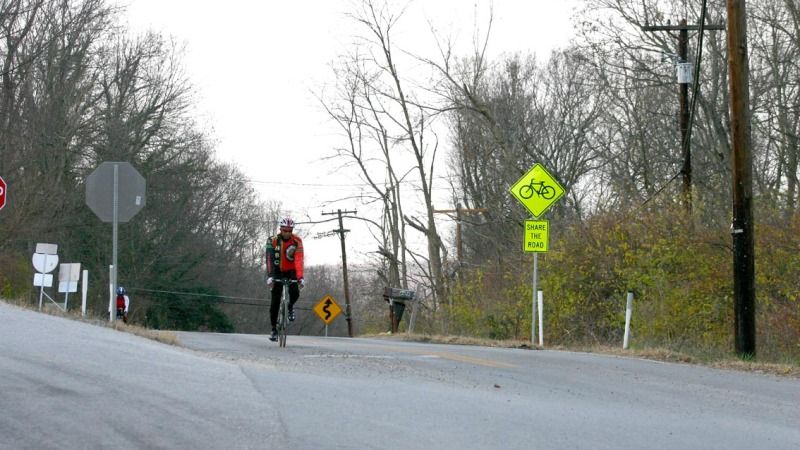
x: 187, y: 313
x: 777, y: 294
x: 16, y: 274
x: 490, y: 305
x: 680, y: 272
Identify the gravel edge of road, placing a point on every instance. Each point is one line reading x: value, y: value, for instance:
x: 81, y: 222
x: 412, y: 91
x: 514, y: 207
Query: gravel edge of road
x: 656, y: 354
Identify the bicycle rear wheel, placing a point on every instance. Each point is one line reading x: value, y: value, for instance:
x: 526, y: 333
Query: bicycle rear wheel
x: 526, y: 192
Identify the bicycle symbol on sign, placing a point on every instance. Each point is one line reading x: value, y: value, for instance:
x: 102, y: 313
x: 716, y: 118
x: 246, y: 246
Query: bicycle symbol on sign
x: 544, y: 191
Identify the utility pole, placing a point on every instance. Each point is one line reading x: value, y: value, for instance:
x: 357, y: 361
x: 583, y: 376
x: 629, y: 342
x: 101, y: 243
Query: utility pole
x: 742, y: 228
x: 342, y: 231
x: 683, y: 94
x: 686, y: 149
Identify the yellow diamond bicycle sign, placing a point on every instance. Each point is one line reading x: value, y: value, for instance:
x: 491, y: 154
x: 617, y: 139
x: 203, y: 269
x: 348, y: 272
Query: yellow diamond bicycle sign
x: 537, y: 190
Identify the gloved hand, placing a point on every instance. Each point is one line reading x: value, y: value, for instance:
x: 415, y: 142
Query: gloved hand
x: 302, y: 283
x: 270, y: 281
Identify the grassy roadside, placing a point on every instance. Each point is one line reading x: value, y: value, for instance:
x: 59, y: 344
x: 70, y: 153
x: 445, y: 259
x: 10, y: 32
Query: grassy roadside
x: 164, y: 336
x: 725, y: 362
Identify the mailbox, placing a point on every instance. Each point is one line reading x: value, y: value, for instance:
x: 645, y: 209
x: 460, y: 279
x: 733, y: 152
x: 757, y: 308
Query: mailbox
x: 397, y: 294
x: 397, y: 299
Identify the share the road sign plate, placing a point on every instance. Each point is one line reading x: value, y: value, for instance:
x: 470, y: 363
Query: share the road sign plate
x: 537, y: 237
x: 537, y: 190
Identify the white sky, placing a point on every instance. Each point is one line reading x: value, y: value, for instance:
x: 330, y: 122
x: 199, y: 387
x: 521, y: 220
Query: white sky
x: 257, y: 65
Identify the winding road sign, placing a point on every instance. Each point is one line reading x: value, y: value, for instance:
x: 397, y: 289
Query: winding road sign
x: 537, y: 190
x: 327, y: 309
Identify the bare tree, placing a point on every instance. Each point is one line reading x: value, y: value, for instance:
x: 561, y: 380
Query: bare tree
x: 385, y: 122
x: 776, y: 99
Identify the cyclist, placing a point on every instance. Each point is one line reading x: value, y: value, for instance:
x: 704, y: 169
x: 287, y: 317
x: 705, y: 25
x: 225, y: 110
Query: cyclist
x: 284, y: 260
x: 123, y: 302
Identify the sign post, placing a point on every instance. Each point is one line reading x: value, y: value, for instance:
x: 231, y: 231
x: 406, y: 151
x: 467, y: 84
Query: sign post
x: 44, y: 261
x: 537, y: 191
x: 537, y: 240
x: 115, y: 193
x: 68, y: 276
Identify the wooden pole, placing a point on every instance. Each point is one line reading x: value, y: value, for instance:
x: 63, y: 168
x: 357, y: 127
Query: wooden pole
x: 742, y: 228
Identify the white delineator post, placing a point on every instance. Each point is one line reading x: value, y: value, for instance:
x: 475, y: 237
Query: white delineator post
x: 539, y: 303
x: 41, y: 286
x: 84, y: 291
x: 111, y: 293
x: 628, y: 314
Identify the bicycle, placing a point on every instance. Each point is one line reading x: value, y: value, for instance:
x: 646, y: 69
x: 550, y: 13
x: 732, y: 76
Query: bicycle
x: 121, y: 314
x: 283, y: 312
x: 544, y: 191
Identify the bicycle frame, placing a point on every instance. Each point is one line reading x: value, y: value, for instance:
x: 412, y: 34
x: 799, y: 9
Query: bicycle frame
x: 283, y: 312
x: 544, y: 191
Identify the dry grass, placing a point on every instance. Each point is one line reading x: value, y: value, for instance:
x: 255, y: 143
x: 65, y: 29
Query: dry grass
x: 164, y: 336
x: 655, y: 354
x: 454, y: 340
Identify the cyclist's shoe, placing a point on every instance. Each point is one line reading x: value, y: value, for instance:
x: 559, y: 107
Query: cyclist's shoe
x: 291, y: 315
x: 273, y: 336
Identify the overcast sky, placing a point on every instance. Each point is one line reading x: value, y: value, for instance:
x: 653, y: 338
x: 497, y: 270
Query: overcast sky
x: 257, y: 64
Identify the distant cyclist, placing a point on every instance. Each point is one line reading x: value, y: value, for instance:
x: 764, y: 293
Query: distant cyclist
x: 284, y: 260
x: 123, y: 303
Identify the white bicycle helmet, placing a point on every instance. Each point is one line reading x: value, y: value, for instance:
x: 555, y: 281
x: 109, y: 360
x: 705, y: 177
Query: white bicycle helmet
x: 287, y: 222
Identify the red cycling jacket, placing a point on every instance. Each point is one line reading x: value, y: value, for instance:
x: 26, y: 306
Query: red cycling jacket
x: 284, y: 256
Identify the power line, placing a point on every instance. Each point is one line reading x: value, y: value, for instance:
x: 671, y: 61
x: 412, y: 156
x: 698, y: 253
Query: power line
x: 195, y: 294
x: 343, y: 187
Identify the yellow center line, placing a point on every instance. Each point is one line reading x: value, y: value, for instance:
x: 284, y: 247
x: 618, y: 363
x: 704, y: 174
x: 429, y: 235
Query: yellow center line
x: 445, y: 355
x: 450, y: 356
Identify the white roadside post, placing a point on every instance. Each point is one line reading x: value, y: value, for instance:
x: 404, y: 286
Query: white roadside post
x: 84, y: 291
x: 628, y: 314
x: 540, y: 301
x: 111, y: 293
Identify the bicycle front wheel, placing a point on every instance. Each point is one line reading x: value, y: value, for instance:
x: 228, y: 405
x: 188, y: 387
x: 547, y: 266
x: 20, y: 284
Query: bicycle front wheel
x: 283, y: 319
x: 548, y: 192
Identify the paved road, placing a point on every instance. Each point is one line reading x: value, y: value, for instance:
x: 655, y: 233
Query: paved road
x: 65, y: 384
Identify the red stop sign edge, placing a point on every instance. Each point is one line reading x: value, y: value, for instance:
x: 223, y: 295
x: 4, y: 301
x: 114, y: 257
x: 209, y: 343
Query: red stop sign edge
x: 3, y: 190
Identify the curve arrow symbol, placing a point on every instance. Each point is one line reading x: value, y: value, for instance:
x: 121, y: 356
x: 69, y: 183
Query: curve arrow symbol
x: 328, y: 304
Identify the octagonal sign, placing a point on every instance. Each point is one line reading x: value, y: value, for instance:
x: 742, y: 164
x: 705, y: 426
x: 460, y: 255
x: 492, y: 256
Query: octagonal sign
x: 130, y: 187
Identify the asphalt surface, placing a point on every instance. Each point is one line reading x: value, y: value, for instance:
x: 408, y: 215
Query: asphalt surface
x: 66, y: 384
